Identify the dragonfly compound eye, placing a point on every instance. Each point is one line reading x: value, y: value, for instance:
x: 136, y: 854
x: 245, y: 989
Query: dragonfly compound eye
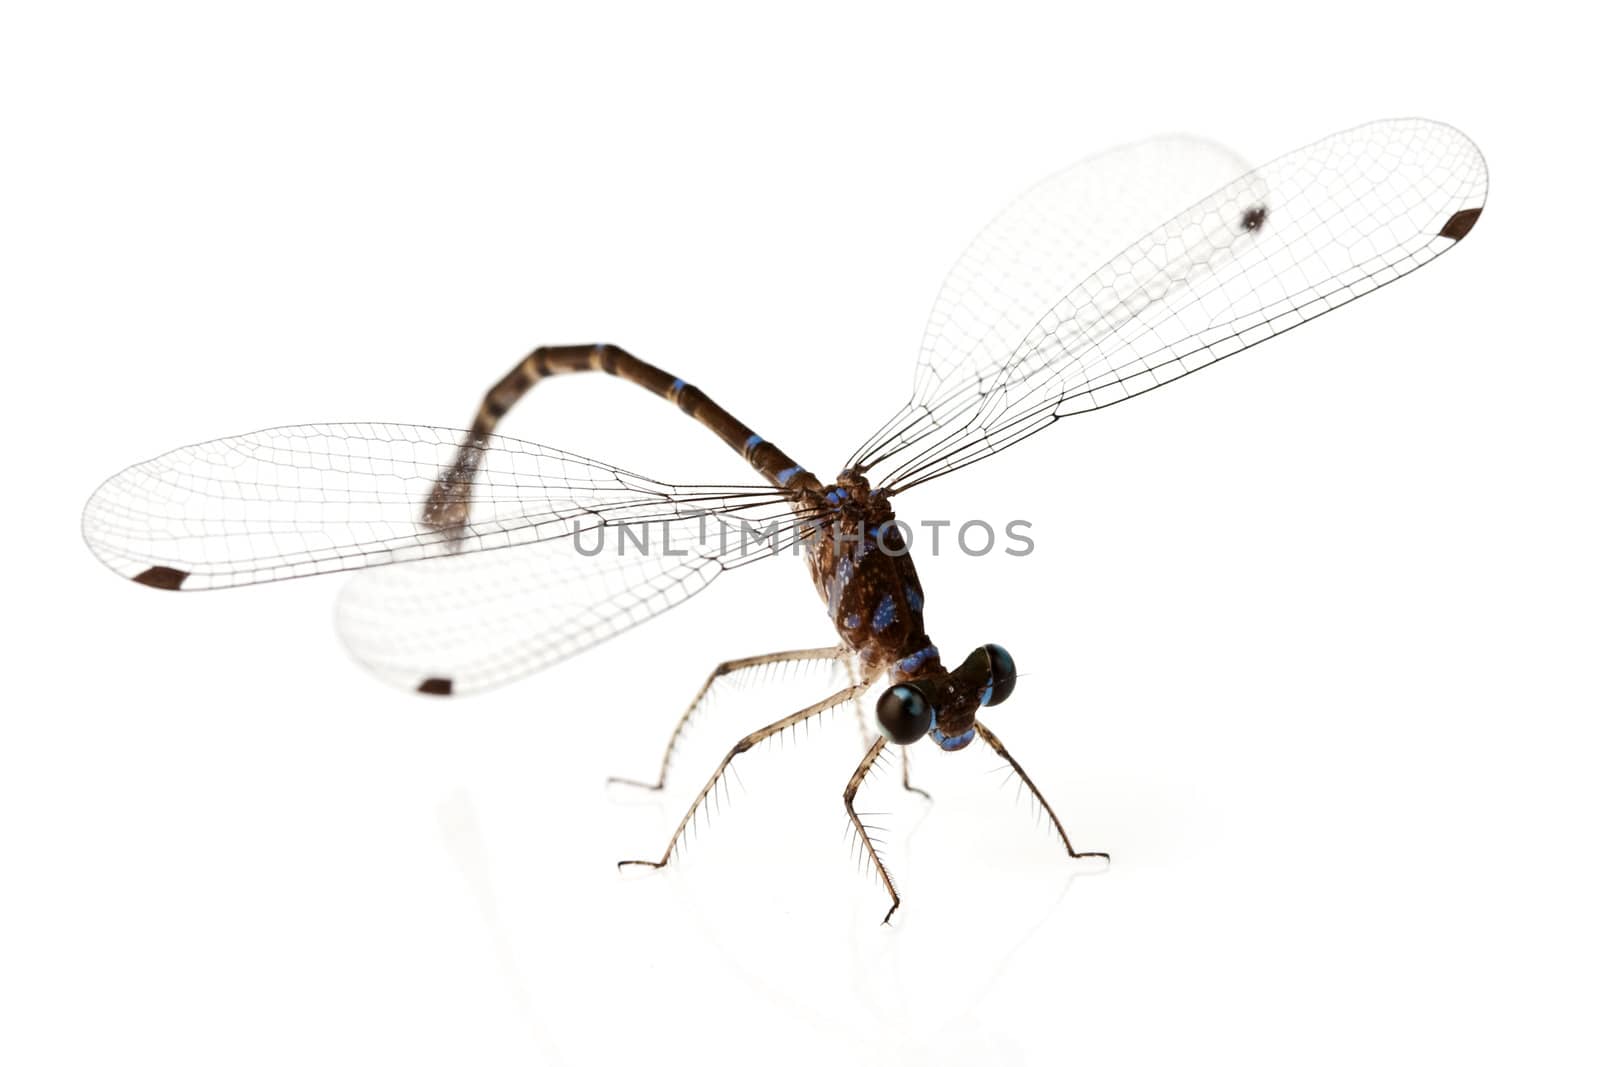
x: 1002, y: 676
x: 904, y: 714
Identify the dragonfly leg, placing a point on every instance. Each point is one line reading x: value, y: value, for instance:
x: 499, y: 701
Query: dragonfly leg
x: 724, y: 670
x: 994, y: 742
x: 871, y: 846
x: 905, y: 753
x: 868, y: 736
x: 449, y: 502
x: 905, y: 774
x: 745, y: 744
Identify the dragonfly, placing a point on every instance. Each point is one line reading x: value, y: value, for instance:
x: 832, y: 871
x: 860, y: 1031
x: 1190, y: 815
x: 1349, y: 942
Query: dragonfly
x: 1120, y: 274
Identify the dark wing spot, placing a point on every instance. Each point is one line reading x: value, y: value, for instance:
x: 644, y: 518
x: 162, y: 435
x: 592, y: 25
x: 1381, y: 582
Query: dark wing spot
x: 162, y: 578
x: 1253, y: 219
x: 1461, y: 223
x: 436, y: 687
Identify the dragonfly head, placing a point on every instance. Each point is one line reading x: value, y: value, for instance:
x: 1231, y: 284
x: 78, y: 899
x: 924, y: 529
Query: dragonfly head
x: 944, y: 705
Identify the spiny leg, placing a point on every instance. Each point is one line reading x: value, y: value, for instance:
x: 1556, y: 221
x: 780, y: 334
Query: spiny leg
x: 450, y: 501
x: 994, y: 742
x: 867, y: 842
x: 724, y: 670
x: 746, y: 744
x: 868, y: 735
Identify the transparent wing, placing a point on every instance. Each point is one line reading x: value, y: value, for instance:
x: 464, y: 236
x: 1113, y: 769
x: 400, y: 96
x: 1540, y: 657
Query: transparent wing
x: 1043, y: 244
x: 1268, y: 251
x: 303, y: 500
x: 465, y: 623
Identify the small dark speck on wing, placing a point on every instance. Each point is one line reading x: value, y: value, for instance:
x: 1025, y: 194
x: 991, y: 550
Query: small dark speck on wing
x: 1253, y: 219
x: 1461, y: 223
x: 162, y: 578
x: 438, y: 687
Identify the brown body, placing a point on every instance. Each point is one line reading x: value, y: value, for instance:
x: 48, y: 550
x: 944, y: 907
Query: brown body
x: 862, y: 568
x: 863, y: 572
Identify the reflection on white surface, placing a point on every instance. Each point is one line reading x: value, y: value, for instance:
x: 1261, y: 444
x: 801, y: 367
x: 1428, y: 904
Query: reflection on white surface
x: 763, y: 919
x: 463, y: 839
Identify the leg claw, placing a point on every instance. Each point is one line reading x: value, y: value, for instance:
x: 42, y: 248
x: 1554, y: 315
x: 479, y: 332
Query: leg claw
x: 654, y: 787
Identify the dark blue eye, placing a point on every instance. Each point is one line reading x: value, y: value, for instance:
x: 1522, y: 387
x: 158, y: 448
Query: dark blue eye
x: 904, y: 714
x: 1002, y: 676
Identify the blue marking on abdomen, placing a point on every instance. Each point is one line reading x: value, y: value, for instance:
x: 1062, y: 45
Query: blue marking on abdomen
x: 835, y: 496
x: 883, y: 617
x: 752, y: 441
x: 785, y: 476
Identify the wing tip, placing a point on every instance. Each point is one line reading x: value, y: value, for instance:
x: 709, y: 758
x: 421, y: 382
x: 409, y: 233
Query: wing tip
x: 436, y: 687
x: 1461, y: 223
x: 162, y: 577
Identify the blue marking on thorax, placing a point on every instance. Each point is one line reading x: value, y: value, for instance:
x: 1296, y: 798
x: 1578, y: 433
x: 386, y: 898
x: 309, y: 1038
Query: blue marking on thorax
x: 916, y: 659
x: 785, y: 476
x: 851, y: 621
x: 838, y: 581
x: 884, y: 616
x: 913, y: 598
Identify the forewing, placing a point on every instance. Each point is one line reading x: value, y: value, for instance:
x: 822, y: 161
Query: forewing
x: 303, y: 500
x: 1268, y: 251
x: 1042, y: 245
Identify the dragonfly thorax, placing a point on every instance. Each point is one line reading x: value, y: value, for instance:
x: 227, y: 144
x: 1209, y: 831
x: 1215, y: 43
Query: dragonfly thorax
x: 862, y: 568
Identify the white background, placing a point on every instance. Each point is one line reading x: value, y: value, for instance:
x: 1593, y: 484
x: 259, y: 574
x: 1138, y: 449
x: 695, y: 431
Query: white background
x: 1341, y: 743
